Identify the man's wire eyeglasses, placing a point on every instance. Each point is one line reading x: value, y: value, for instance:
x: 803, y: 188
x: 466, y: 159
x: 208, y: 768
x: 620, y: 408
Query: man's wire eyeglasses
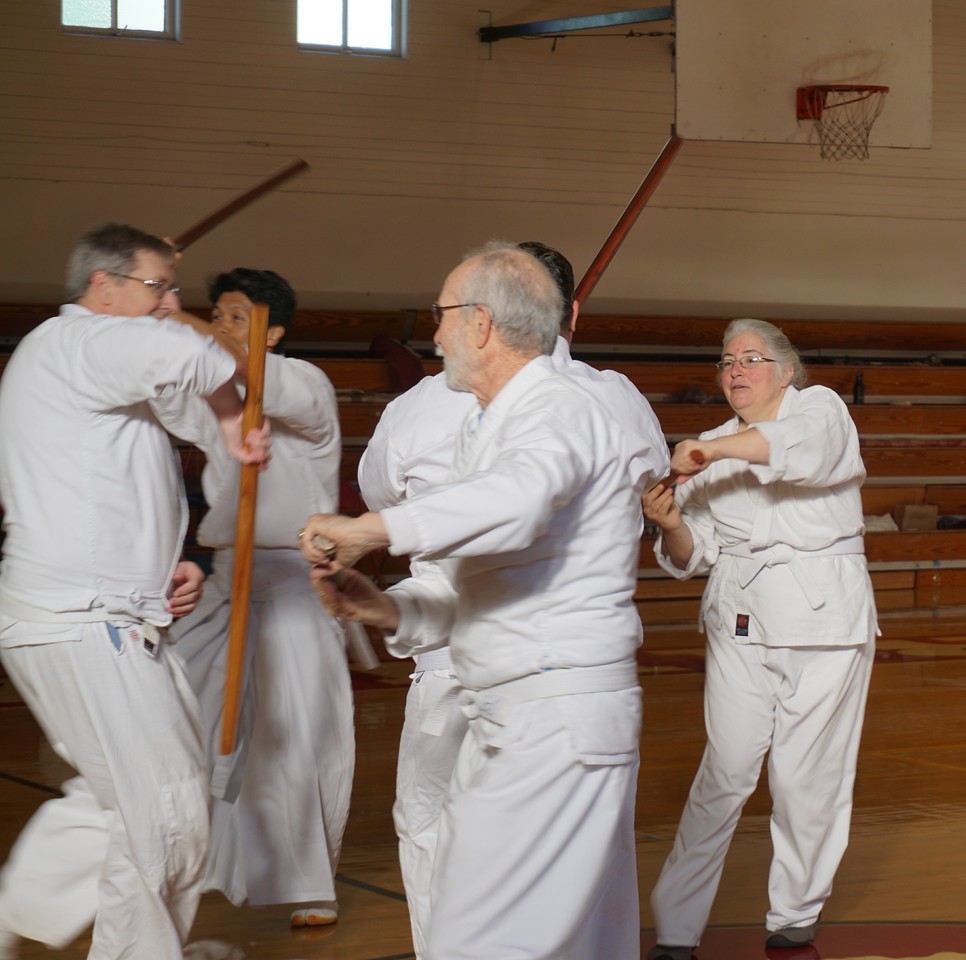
x: 158, y: 287
x: 437, y: 311
x: 746, y: 363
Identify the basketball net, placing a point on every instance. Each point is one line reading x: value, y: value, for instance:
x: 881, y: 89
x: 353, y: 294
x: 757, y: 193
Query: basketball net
x: 843, y: 116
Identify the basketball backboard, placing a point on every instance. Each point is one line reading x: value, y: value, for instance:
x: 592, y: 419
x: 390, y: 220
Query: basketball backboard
x: 739, y: 63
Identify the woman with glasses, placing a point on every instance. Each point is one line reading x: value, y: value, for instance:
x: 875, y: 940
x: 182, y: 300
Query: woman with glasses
x: 768, y: 504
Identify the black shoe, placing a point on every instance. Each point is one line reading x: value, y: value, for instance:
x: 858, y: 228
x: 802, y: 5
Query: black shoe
x: 792, y: 936
x: 663, y: 952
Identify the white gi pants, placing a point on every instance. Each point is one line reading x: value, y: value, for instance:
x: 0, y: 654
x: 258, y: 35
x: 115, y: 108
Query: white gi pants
x: 433, y: 729
x: 536, y: 856
x: 282, y: 798
x: 128, y: 841
x: 805, y: 705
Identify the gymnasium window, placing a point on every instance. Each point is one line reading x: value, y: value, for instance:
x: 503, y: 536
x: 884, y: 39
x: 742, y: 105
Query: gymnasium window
x: 351, y: 26
x: 154, y: 19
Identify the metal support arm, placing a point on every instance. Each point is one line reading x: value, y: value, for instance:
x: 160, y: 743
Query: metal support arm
x: 569, y: 24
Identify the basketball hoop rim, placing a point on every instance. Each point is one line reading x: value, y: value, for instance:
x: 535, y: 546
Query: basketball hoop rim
x: 810, y: 99
x: 841, y: 87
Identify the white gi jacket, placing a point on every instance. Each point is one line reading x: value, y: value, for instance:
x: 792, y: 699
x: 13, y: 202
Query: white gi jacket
x: 783, y: 540
x: 411, y: 448
x: 303, y: 476
x: 101, y: 466
x: 541, y: 532
x: 412, y: 451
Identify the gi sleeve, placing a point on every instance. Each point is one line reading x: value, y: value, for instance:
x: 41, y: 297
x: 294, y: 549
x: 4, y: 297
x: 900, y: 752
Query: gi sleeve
x: 127, y: 360
x: 542, y: 464
x: 300, y: 395
x: 426, y: 602
x: 651, y: 460
x: 187, y: 417
x: 816, y: 445
x: 381, y: 478
x: 692, y: 501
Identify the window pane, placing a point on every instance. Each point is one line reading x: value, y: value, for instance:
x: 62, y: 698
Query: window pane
x: 86, y: 13
x: 370, y: 24
x: 140, y: 15
x: 320, y: 22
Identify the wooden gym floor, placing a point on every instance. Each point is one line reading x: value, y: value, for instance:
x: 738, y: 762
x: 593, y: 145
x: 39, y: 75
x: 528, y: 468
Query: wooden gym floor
x: 900, y: 892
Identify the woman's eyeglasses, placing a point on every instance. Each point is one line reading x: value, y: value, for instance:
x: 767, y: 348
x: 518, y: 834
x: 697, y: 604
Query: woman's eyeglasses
x: 746, y: 363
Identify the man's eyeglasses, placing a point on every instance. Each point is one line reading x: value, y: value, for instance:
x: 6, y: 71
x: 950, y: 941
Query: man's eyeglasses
x: 437, y: 311
x: 158, y: 287
x: 746, y: 363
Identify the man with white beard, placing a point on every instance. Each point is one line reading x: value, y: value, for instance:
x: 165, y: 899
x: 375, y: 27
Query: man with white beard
x: 537, y: 533
x: 410, y: 451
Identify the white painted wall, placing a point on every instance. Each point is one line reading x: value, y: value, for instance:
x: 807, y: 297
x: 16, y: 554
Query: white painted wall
x: 414, y: 161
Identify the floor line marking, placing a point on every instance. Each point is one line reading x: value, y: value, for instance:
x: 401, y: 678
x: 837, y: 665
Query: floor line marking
x: 54, y: 791
x: 371, y: 888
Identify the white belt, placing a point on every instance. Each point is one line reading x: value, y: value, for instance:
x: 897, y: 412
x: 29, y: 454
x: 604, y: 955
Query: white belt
x: 783, y: 555
x: 492, y: 703
x: 440, y: 659
x: 19, y: 610
x: 150, y: 636
x: 107, y: 609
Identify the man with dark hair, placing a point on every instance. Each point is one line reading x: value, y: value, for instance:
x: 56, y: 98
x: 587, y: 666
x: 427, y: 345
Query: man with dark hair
x: 94, y: 520
x: 282, y: 799
x: 411, y: 450
x: 255, y: 286
x: 562, y: 272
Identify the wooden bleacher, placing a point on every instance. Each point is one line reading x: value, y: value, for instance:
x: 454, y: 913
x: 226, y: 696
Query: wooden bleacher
x: 912, y: 427
x: 912, y: 424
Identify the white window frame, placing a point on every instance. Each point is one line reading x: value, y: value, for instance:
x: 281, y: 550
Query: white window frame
x: 169, y: 32
x: 398, y: 8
